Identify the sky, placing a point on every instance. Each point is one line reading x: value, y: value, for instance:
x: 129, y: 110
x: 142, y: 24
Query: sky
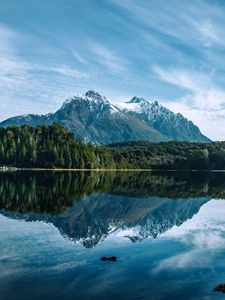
x: 169, y: 51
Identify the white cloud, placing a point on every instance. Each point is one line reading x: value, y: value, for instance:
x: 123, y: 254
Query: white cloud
x: 191, y: 25
x: 107, y: 57
x: 77, y: 56
x: 203, y: 102
x: 63, y: 70
x: 209, y: 33
x: 202, y: 93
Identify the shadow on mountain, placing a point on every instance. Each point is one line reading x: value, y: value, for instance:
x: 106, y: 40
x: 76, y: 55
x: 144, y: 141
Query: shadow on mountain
x: 87, y: 207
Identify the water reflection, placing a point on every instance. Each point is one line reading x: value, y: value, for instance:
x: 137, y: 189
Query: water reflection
x: 165, y: 229
x: 89, y: 207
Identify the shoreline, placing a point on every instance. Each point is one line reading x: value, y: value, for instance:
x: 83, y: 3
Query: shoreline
x: 14, y: 169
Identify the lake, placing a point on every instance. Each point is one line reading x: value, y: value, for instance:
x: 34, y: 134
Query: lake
x: 167, y: 231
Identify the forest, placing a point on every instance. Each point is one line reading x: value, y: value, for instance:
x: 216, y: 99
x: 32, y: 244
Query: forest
x: 173, y: 155
x: 53, y: 146
x: 49, y: 146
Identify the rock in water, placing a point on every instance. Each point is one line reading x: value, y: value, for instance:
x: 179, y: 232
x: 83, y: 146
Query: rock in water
x: 111, y: 258
x: 220, y: 288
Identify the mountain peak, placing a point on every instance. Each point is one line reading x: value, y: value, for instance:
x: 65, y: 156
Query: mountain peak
x: 92, y: 118
x: 155, y: 103
x: 92, y: 95
x: 137, y: 100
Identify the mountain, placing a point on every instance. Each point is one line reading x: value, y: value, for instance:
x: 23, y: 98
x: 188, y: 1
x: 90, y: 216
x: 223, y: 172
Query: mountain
x: 93, y: 119
x: 30, y: 119
x: 172, y: 125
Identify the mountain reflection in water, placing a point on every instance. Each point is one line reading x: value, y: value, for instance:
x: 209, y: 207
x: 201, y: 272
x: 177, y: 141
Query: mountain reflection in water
x: 167, y: 231
x: 88, y: 207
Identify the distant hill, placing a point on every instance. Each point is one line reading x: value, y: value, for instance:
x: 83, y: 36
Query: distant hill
x: 93, y: 119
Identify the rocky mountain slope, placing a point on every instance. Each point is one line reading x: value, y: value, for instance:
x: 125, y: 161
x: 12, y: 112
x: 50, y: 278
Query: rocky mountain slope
x: 174, y: 126
x: 93, y: 119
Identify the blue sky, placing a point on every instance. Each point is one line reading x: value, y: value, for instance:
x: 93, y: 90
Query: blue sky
x: 170, y: 51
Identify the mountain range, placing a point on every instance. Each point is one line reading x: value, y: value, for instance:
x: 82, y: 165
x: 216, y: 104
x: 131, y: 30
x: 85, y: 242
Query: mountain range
x: 93, y: 119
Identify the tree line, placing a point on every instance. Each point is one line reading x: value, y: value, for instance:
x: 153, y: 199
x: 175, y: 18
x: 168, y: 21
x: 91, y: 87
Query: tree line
x: 173, y: 155
x: 49, y: 146
x: 53, y: 146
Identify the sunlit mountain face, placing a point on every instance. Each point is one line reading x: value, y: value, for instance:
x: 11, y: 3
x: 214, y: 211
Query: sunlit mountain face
x: 93, y: 119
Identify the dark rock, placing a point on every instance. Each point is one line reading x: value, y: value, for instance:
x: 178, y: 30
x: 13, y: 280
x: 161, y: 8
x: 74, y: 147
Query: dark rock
x: 111, y: 258
x: 220, y: 288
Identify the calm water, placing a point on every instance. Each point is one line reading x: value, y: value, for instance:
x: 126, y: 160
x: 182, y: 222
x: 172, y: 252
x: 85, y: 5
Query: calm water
x: 167, y: 231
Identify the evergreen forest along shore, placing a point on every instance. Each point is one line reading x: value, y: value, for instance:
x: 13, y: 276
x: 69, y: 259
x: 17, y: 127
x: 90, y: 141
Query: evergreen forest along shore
x: 53, y: 146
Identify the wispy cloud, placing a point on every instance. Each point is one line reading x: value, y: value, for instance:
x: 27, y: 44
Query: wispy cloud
x: 114, y: 53
x: 107, y: 57
x: 30, y: 86
x: 63, y: 70
x: 191, y: 24
x: 202, y: 102
x: 210, y: 34
x: 203, y: 93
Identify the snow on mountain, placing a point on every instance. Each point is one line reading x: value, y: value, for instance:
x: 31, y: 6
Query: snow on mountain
x: 93, y: 119
x: 93, y: 100
x: 164, y: 120
x: 150, y: 109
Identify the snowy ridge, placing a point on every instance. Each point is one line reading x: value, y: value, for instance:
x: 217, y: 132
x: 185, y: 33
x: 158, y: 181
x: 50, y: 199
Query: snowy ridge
x: 172, y: 125
x: 93, y: 101
x: 151, y: 110
x: 93, y: 119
